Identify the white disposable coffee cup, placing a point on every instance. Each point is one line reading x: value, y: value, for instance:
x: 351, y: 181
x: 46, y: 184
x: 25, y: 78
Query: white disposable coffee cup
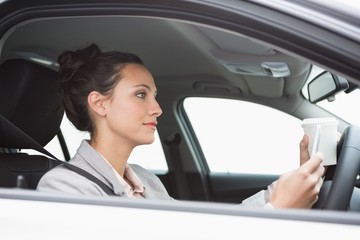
x: 322, y: 133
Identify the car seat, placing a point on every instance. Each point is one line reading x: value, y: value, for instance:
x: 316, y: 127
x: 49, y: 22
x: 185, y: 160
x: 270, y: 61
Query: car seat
x: 30, y: 99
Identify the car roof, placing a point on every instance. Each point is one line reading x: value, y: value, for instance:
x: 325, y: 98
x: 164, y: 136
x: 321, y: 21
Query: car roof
x: 171, y: 38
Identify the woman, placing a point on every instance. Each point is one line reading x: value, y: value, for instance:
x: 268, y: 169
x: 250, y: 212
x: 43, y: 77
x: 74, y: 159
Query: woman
x: 113, y: 96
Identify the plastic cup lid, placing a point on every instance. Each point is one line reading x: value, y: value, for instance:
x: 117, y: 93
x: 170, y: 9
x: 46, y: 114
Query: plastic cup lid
x: 316, y: 121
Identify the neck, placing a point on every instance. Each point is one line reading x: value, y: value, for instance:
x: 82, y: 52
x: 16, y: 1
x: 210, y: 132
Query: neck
x: 116, y: 153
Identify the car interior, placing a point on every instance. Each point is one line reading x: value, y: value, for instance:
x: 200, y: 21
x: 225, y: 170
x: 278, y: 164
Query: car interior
x: 186, y: 60
x: 22, y: 84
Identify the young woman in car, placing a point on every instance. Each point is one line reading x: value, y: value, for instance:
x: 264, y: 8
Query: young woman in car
x: 112, y: 95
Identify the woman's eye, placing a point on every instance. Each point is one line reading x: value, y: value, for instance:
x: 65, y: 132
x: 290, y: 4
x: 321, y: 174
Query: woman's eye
x: 141, y: 95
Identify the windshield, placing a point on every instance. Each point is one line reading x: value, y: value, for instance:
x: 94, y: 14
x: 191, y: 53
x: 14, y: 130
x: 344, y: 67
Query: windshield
x: 342, y: 105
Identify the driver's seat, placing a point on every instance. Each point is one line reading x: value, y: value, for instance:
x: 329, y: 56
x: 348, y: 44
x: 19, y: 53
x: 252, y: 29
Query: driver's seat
x: 30, y: 99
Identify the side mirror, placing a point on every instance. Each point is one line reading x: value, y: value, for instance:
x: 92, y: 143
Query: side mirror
x: 326, y: 85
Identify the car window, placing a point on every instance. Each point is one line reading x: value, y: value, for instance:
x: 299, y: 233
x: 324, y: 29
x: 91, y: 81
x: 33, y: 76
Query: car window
x: 243, y: 137
x: 148, y: 156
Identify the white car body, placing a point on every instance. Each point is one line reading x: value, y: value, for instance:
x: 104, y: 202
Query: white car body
x: 25, y: 215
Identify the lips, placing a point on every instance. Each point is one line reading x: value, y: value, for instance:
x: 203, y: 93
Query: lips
x: 152, y: 124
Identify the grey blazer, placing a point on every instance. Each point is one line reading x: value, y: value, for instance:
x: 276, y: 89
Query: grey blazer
x: 62, y: 179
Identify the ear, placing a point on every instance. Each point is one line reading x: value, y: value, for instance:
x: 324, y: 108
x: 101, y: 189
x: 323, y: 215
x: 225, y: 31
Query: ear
x: 96, y: 103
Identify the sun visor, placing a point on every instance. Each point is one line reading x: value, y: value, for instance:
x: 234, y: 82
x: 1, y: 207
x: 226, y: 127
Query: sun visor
x: 268, y: 69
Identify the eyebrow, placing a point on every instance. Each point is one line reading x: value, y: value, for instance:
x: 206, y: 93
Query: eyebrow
x: 146, y: 86
x: 143, y: 85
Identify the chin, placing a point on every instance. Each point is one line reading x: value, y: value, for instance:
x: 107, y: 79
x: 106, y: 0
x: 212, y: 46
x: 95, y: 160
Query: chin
x: 147, y: 141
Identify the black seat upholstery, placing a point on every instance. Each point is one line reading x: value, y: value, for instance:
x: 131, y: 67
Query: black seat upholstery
x: 30, y: 99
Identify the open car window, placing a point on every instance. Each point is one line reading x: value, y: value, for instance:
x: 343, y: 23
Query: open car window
x: 245, y: 137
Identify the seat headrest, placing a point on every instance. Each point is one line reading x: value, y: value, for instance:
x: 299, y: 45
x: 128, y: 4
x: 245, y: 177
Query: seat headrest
x: 30, y: 98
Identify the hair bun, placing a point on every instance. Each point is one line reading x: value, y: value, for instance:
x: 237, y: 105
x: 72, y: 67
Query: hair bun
x: 71, y: 61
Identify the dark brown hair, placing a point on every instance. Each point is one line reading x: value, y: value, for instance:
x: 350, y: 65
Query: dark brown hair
x: 86, y: 70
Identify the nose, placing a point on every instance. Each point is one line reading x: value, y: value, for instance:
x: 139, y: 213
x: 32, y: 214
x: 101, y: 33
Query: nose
x: 155, y: 109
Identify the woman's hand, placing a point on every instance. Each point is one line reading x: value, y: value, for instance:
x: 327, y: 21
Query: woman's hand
x: 304, y: 152
x: 300, y: 188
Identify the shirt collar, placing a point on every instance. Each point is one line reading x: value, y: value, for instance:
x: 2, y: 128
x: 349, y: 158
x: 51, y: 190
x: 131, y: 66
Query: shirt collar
x: 130, y: 175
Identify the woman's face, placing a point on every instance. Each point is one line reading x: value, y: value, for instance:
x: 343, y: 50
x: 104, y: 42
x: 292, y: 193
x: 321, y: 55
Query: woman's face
x: 132, y: 110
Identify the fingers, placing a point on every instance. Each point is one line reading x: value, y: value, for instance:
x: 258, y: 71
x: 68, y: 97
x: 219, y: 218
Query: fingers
x: 300, y: 188
x: 304, y: 152
x: 297, y: 189
x: 319, y: 184
x: 316, y: 191
x: 315, y: 179
x: 314, y: 165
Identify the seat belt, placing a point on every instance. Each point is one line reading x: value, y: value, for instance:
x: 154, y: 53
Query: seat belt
x: 82, y: 172
x: 178, y: 167
x: 12, y: 134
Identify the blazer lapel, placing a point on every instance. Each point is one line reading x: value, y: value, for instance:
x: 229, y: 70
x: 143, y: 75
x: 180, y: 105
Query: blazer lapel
x: 98, y: 164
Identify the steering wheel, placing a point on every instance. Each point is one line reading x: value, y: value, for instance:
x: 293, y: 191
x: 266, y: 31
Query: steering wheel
x: 340, y: 179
